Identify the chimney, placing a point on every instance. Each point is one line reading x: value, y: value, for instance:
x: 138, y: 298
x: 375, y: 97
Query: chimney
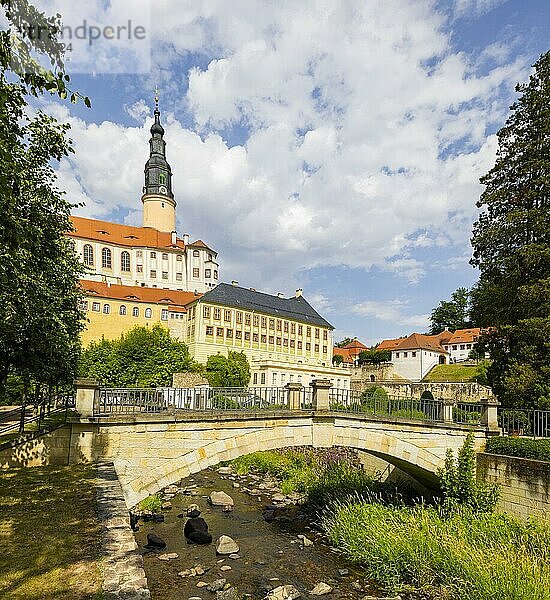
x: 174, y: 238
x: 186, y: 239
x: 234, y: 283
x: 299, y: 293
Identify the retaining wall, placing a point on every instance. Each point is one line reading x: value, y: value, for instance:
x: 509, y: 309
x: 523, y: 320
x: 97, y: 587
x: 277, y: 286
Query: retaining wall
x: 524, y: 484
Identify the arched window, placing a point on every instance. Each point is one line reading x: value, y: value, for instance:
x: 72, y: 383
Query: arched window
x: 162, y: 178
x: 135, y: 311
x: 122, y: 310
x: 88, y: 255
x: 125, y: 261
x: 106, y: 309
x: 148, y: 313
x: 106, y: 258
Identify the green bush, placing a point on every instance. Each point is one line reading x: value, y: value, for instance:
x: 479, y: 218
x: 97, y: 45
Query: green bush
x: 152, y: 503
x: 520, y: 447
x: 464, y: 556
x: 459, y: 485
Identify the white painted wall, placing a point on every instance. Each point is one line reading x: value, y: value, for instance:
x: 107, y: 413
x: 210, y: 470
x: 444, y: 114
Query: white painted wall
x: 414, y: 364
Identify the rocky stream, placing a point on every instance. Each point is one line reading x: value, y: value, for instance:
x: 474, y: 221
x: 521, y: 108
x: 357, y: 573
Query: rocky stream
x: 273, y: 551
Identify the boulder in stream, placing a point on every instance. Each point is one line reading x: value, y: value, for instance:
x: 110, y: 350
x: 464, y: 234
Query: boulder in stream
x: 321, y: 589
x: 283, y: 592
x: 229, y: 594
x: 226, y: 545
x: 217, y: 585
x: 154, y: 541
x: 221, y: 499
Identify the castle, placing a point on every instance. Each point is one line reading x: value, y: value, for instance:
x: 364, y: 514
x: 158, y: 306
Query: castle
x: 146, y: 275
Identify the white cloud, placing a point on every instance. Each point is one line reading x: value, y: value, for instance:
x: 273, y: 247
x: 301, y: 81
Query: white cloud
x: 393, y: 311
x: 367, y: 136
x: 138, y: 110
x: 475, y: 8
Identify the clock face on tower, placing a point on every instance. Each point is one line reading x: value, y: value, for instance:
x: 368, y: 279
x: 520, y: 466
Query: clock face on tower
x: 162, y: 189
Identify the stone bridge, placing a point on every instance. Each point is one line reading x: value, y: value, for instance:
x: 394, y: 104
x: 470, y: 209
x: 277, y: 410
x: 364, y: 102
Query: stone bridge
x: 151, y: 451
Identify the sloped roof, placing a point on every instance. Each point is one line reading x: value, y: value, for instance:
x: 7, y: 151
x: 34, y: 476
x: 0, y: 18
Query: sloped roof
x: 345, y: 353
x: 135, y: 293
x: 296, y: 308
x: 356, y: 344
x: 461, y: 336
x: 201, y: 244
x: 416, y: 341
x: 389, y: 344
x: 123, y: 235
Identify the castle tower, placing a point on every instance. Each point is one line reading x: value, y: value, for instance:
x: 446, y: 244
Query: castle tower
x: 159, y: 206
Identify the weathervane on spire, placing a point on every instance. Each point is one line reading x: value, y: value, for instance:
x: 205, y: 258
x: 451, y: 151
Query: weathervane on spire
x: 156, y: 97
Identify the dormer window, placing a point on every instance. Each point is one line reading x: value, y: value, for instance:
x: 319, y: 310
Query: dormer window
x: 103, y: 232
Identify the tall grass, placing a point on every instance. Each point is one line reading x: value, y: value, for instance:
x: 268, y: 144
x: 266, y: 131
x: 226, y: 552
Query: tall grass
x: 464, y: 556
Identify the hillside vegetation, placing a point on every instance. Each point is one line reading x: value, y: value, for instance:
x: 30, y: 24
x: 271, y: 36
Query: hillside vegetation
x: 458, y: 373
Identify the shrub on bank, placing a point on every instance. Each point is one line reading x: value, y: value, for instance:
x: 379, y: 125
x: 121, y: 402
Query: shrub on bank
x: 465, y: 555
x: 152, y: 503
x: 519, y: 447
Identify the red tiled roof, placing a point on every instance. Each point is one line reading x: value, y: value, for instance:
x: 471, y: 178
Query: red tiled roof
x: 345, y: 353
x: 354, y: 344
x: 123, y: 235
x: 462, y: 336
x: 414, y: 341
x: 200, y: 244
x: 389, y: 344
x: 134, y: 293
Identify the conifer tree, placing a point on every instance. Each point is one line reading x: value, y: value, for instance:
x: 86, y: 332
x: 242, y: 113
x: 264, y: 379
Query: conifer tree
x: 511, y: 243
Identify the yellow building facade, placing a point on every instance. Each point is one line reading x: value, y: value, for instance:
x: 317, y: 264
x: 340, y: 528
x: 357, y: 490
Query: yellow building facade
x: 113, y: 310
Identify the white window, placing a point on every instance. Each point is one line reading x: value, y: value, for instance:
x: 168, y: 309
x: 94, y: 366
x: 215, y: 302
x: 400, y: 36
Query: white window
x: 148, y: 313
x: 106, y: 309
x: 122, y: 310
x: 88, y: 255
x: 179, y: 277
x: 106, y: 258
x: 164, y: 314
x: 196, y: 253
x: 135, y: 311
x: 125, y: 261
x: 95, y: 306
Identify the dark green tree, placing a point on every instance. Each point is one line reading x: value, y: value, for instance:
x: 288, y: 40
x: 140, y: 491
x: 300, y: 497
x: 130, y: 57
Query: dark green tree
x: 453, y: 314
x: 337, y: 359
x: 511, y: 243
x: 39, y: 316
x: 374, y: 356
x: 232, y: 370
x: 344, y: 342
x: 143, y: 357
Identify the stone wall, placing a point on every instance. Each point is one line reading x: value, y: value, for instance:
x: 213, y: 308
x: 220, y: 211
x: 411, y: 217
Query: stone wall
x: 460, y: 392
x: 524, y: 484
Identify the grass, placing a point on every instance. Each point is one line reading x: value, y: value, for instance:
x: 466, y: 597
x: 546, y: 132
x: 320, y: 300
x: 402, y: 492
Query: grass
x: 49, y: 534
x: 453, y: 373
x: 478, y: 557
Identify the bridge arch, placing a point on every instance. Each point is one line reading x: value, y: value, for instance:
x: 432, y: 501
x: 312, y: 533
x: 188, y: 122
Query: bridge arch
x: 412, y: 448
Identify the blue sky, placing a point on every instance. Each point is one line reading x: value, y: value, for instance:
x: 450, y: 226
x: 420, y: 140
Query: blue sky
x: 334, y: 146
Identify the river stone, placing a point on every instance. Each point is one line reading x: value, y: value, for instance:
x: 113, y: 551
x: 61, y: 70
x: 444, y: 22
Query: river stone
x: 321, y: 589
x: 305, y: 541
x: 153, y: 541
x: 168, y: 556
x: 217, y: 585
x: 229, y: 594
x: 225, y: 470
x: 278, y: 497
x: 226, y: 545
x: 235, y: 556
x: 378, y: 598
x: 225, y: 568
x: 221, y: 499
x: 283, y: 592
x: 166, y: 506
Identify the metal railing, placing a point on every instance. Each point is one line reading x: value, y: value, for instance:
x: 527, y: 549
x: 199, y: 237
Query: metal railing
x: 147, y: 400
x: 467, y: 413
x: 380, y: 405
x: 45, y: 411
x: 532, y: 423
